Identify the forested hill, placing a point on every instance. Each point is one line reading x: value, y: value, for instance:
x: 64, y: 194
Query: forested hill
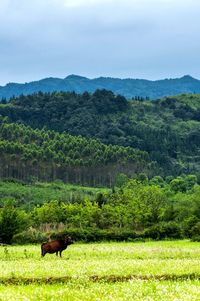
x: 28, y: 154
x: 126, y: 87
x: 167, y: 129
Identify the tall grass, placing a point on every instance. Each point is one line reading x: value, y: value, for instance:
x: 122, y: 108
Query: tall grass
x: 153, y: 271
x: 28, y: 195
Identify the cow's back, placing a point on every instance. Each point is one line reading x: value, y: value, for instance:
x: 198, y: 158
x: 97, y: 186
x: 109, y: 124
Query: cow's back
x: 52, y: 246
x: 55, y: 246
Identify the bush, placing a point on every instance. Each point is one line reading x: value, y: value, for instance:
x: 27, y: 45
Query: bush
x: 189, y: 226
x: 196, y: 238
x: 84, y: 235
x: 31, y: 236
x: 163, y: 231
x: 195, y: 232
x: 153, y: 232
x: 12, y: 221
x: 13, y: 180
x: 92, y: 235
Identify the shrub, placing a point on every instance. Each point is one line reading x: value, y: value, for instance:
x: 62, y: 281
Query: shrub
x: 163, y: 231
x: 92, y: 235
x: 153, y: 232
x: 30, y: 236
x: 189, y: 226
x: 84, y: 235
x: 195, y: 232
x: 12, y: 221
x: 196, y: 238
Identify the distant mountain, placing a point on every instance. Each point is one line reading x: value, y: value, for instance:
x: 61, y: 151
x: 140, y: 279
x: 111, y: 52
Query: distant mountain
x: 126, y: 87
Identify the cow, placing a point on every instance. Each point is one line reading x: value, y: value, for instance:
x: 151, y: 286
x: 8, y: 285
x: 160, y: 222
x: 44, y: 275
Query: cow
x: 56, y: 246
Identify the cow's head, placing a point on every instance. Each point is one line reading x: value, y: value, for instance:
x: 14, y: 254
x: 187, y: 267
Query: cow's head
x: 68, y: 240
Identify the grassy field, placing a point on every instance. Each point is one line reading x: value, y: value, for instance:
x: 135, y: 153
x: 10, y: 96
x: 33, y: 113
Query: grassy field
x: 26, y: 196
x: 104, y: 271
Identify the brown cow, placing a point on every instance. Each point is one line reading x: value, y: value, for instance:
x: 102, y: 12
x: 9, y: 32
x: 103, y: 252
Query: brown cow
x: 56, y: 246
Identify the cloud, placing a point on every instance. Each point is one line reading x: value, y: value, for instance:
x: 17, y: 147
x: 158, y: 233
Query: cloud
x: 124, y: 38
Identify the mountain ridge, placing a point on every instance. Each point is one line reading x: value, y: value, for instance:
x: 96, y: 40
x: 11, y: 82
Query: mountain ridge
x: 127, y: 87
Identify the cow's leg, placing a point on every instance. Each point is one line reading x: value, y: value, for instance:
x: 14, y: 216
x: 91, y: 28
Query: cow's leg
x: 57, y: 253
x: 60, y: 253
x: 42, y: 252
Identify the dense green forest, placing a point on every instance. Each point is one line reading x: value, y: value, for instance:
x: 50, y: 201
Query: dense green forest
x: 167, y: 129
x: 137, y: 209
x: 30, y: 154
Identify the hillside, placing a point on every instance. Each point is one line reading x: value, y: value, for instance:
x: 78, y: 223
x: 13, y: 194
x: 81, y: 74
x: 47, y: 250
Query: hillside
x: 167, y: 129
x: 33, y: 194
x: 126, y: 87
x: 29, y: 155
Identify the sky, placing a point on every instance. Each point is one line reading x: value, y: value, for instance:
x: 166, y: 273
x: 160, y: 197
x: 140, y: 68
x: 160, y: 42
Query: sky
x: 151, y: 39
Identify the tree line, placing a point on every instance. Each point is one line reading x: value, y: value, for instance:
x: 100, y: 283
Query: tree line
x: 137, y: 209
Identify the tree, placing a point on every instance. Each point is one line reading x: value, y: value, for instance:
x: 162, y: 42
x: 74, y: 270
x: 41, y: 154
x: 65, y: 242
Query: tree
x: 191, y: 181
x: 158, y: 181
x: 3, y: 101
x: 121, y: 180
x: 142, y: 177
x: 178, y: 184
x: 12, y: 221
x: 52, y: 212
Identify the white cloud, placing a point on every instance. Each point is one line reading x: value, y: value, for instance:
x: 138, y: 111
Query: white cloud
x: 140, y: 38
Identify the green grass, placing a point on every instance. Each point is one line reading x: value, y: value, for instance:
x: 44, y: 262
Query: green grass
x: 133, y: 290
x: 105, y: 271
x: 38, y: 193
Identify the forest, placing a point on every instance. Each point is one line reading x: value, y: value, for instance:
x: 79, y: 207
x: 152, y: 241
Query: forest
x: 28, y: 154
x: 167, y: 129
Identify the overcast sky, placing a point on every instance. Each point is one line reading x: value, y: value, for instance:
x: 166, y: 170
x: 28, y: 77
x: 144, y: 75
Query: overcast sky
x: 150, y: 39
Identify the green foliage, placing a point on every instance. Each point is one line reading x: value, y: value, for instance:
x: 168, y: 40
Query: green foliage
x: 158, y: 181
x: 145, y: 202
x: 183, y: 184
x: 189, y: 226
x: 94, y: 235
x: 12, y: 221
x: 31, y: 236
x: 164, y: 231
x: 166, y: 129
x: 195, y: 231
x: 136, y: 210
x: 142, y: 177
x: 53, y: 212
x: 146, y: 141
x: 28, y: 155
x: 27, y: 196
x: 121, y: 180
x: 178, y: 184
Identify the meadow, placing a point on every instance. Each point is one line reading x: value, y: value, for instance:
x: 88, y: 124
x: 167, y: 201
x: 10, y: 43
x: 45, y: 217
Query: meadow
x: 27, y: 195
x: 167, y: 270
